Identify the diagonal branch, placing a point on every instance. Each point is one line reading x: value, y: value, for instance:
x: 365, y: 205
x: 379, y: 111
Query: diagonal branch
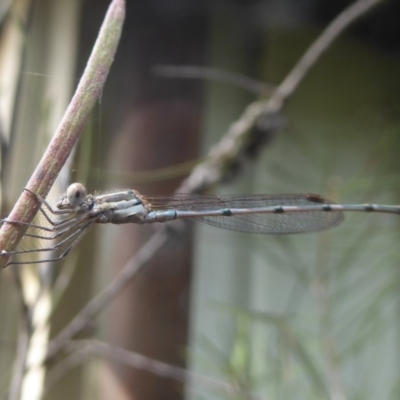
x: 69, y: 130
x: 234, y: 141
x: 84, y: 350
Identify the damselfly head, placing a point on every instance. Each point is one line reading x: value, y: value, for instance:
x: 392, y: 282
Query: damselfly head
x: 75, y: 196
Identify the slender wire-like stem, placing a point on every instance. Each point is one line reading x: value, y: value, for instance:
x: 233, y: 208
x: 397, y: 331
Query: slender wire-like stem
x: 213, y: 74
x: 69, y: 130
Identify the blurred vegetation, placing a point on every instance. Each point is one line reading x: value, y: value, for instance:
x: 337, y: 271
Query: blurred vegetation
x: 304, y: 317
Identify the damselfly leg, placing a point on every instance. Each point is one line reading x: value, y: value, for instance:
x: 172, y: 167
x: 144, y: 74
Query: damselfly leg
x: 69, y: 231
x: 266, y: 214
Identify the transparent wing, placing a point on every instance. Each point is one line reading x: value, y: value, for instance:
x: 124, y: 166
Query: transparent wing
x: 261, y: 222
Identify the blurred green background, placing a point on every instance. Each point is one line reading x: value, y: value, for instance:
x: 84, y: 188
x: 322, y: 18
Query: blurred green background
x: 311, y: 316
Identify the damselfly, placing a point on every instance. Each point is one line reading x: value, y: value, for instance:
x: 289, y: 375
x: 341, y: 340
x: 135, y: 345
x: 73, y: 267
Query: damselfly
x: 263, y: 214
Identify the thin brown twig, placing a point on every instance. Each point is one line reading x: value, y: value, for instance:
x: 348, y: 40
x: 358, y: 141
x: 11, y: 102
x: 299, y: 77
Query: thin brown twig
x: 97, y: 303
x: 230, y: 146
x: 214, y: 74
x: 68, y: 132
x: 324, y: 41
x: 83, y: 350
x: 211, y: 171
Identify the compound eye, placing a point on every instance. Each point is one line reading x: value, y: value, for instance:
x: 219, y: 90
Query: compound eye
x: 76, y: 194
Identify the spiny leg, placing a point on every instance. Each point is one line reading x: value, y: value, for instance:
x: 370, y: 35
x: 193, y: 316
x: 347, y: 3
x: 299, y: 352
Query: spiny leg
x: 53, y: 247
x: 55, y: 231
x: 62, y: 225
x: 75, y: 237
x: 44, y: 202
x: 57, y: 227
